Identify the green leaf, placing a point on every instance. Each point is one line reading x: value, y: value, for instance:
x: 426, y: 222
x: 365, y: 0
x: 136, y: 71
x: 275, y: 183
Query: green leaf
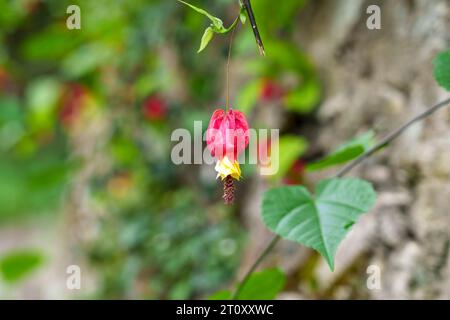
x: 17, y: 265
x: 207, y: 36
x: 442, y: 69
x: 50, y: 44
x: 86, y: 59
x: 216, y: 27
x: 286, y: 55
x: 263, y: 285
x: 42, y: 97
x: 304, y: 99
x: 221, y: 295
x: 42, y: 178
x: 42, y: 94
x: 318, y: 221
x: 290, y: 149
x: 248, y: 96
x: 218, y: 24
x: 346, y: 152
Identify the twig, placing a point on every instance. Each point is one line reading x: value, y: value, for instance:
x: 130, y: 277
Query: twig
x: 255, y: 264
x: 390, y: 137
x: 346, y: 169
x: 248, y: 7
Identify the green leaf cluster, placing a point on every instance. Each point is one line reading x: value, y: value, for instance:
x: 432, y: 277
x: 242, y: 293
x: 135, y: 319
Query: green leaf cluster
x: 216, y: 26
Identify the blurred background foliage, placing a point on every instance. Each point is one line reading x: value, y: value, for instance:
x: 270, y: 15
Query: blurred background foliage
x: 88, y: 114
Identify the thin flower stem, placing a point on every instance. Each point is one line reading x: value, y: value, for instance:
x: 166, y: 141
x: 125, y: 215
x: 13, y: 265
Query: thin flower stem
x: 227, y: 105
x: 346, y: 169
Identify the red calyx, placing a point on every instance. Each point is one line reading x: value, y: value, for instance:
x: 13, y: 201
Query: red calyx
x: 227, y: 134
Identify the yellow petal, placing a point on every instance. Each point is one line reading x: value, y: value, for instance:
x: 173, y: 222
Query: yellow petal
x: 227, y: 168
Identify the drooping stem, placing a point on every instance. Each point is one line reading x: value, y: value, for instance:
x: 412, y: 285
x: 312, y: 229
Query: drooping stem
x: 227, y: 105
x: 346, y: 169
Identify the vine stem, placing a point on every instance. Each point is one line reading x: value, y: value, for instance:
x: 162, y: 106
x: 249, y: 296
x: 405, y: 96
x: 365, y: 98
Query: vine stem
x: 227, y: 105
x: 346, y: 169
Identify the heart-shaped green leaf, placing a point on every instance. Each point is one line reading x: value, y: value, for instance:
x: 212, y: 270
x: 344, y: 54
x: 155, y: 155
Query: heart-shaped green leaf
x: 442, y: 69
x: 317, y: 221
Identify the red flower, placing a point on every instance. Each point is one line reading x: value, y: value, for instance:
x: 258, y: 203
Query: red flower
x: 227, y: 134
x: 154, y: 108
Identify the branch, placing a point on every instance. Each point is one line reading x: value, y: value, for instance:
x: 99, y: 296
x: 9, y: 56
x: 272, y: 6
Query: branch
x: 248, y: 7
x: 391, y: 137
x: 346, y: 169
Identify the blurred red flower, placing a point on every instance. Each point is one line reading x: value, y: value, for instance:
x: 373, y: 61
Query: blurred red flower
x: 271, y: 90
x: 154, y: 108
x: 295, y: 173
x: 72, y: 104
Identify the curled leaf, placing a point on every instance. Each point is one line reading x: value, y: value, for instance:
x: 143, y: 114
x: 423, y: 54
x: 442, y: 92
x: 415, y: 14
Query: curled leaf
x: 206, y: 38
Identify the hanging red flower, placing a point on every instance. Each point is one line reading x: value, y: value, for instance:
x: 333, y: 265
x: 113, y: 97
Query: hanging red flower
x: 227, y: 137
